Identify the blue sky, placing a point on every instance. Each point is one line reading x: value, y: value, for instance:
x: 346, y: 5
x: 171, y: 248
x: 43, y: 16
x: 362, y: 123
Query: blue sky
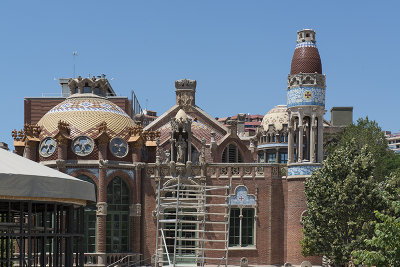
x: 238, y: 51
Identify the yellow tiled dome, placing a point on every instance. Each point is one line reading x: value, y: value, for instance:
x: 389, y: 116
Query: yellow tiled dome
x: 84, y: 113
x: 277, y: 117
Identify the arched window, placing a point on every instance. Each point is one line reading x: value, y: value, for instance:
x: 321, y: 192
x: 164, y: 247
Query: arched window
x: 231, y: 154
x: 87, y: 89
x: 90, y: 220
x: 117, y: 233
x: 242, y: 219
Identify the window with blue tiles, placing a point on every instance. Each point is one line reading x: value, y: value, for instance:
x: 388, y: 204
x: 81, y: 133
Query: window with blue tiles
x: 242, y: 219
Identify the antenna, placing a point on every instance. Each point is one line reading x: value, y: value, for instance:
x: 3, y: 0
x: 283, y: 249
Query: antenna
x: 74, y: 54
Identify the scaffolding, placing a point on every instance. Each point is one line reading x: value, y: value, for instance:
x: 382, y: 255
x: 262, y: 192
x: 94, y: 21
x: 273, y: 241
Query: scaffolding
x: 192, y: 222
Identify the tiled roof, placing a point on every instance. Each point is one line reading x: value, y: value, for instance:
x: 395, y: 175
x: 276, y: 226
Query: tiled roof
x: 84, y: 114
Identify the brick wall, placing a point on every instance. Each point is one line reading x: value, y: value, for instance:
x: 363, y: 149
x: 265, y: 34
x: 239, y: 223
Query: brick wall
x: 296, y: 205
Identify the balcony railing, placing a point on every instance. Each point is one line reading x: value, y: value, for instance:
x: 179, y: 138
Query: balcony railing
x: 219, y: 170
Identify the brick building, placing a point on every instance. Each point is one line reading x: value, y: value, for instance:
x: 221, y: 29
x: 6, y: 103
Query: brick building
x: 173, y: 191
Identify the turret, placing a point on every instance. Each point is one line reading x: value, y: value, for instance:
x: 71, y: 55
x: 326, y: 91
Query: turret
x: 306, y: 107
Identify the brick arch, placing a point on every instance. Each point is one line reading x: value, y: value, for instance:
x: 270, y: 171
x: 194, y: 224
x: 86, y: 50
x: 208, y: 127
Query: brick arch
x: 246, y: 154
x: 127, y: 179
x: 87, y: 173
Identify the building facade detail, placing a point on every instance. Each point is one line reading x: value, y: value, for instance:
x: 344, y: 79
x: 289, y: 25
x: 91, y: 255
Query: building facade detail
x: 186, y: 187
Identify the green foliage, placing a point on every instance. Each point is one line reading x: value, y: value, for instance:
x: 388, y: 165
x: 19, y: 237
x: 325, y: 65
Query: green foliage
x: 343, y: 195
x: 383, y: 249
x: 384, y: 246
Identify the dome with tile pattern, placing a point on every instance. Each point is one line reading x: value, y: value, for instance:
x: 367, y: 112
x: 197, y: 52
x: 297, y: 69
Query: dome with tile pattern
x: 277, y: 117
x: 84, y: 113
x: 306, y: 57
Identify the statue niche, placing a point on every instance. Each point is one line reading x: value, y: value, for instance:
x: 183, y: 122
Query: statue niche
x: 181, y: 138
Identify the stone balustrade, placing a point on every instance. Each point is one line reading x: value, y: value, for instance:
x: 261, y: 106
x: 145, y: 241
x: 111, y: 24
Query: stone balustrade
x: 217, y: 170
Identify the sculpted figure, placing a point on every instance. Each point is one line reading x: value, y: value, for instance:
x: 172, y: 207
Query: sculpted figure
x: 181, y: 149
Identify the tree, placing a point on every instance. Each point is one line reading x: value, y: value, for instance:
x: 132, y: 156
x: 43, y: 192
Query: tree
x: 343, y: 195
x: 383, y: 249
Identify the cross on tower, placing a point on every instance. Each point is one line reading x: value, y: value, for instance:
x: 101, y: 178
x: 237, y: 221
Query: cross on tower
x: 307, y: 95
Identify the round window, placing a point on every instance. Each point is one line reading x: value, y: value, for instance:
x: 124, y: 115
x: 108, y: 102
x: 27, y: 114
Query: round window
x: 119, y: 147
x: 82, y: 145
x: 47, y: 147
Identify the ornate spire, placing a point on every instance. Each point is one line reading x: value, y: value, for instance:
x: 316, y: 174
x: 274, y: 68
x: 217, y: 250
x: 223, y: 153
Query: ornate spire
x: 185, y: 93
x: 306, y: 57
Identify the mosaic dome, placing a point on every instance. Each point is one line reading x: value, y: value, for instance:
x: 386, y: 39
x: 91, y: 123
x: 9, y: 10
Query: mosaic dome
x: 306, y: 57
x: 277, y: 117
x: 84, y: 113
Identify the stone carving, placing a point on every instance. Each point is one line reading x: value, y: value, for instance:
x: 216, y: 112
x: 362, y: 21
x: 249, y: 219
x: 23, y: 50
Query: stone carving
x: 103, y: 163
x: 314, y: 79
x: 210, y: 171
x: 244, y: 262
x: 181, y: 150
x: 275, y: 171
x: 165, y: 171
x: 235, y: 170
x: 185, y: 84
x: 150, y: 171
x: 260, y: 170
x: 101, y: 83
x: 101, y: 209
x: 165, y: 156
x: 18, y: 135
x: 185, y: 100
x: 31, y: 131
x: 60, y: 164
x: 224, y: 171
x: 135, y: 210
x: 196, y: 171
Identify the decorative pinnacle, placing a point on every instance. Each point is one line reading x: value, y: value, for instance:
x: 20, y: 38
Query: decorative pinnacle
x: 306, y: 35
x: 185, y: 84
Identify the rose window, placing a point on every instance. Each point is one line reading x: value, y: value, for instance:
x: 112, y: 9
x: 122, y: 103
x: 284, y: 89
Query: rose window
x: 47, y: 147
x: 82, y: 145
x: 119, y: 147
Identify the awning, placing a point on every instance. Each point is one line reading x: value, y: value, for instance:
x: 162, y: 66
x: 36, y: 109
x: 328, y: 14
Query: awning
x: 23, y: 178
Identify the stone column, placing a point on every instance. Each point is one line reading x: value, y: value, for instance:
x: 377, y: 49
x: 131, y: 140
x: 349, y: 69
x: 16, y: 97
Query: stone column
x: 312, y: 140
x: 320, y: 139
x: 102, y: 204
x: 300, y: 143
x: 290, y: 143
x: 277, y: 155
x: 136, y: 207
x: 307, y: 144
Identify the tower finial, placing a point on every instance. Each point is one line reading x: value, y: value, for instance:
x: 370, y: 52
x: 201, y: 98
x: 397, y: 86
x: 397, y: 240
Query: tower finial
x: 306, y: 35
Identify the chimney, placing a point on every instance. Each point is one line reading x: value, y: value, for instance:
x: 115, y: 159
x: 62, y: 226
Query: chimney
x: 185, y: 93
x: 341, y: 116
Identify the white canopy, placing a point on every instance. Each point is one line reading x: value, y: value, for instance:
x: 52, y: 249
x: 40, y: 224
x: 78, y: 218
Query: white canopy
x: 21, y: 177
